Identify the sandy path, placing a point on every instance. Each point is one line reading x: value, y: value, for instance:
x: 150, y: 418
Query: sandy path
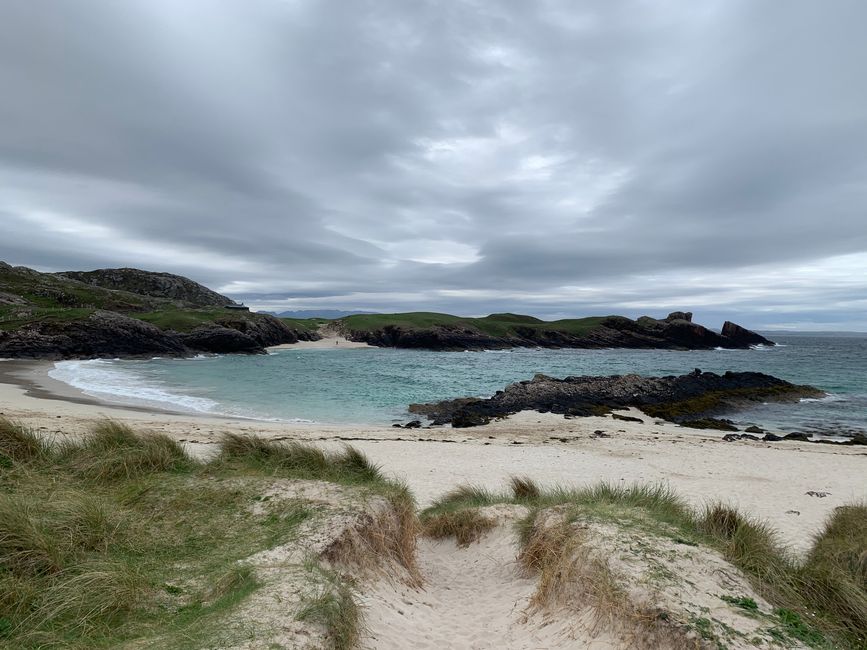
x: 474, y: 598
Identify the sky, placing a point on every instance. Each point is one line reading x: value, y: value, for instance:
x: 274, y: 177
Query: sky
x: 553, y: 158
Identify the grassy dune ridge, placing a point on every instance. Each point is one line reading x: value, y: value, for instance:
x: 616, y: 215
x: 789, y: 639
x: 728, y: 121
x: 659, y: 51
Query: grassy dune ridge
x: 122, y: 536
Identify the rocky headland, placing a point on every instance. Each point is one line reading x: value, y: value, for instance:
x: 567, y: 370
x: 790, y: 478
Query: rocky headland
x: 681, y: 399
x: 127, y: 313
x: 503, y: 331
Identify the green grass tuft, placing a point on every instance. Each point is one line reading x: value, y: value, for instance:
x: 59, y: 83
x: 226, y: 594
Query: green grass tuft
x: 19, y: 444
x: 332, y: 605
x: 833, y: 579
x: 744, y: 602
x: 525, y: 489
x: 465, y: 496
x: 750, y: 545
x: 115, y: 452
x: 793, y: 627
x: 466, y: 526
x: 297, y: 460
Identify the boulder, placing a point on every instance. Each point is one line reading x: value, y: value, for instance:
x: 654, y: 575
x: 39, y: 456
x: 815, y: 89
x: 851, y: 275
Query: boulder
x: 102, y: 334
x: 221, y: 340
x: 466, y: 419
x: 741, y: 336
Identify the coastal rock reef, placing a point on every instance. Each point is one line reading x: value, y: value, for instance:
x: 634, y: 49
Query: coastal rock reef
x: 676, y: 398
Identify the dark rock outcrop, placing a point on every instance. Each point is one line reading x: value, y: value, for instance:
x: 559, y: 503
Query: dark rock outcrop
x: 743, y: 337
x: 711, y: 423
x: 733, y: 437
x: 682, y: 398
x: 102, y: 334
x: 110, y: 334
x: 220, y: 340
x: 265, y: 330
x: 167, y: 286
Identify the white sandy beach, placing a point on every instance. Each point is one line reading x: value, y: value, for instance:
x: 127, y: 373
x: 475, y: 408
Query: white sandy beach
x: 326, y: 343
x: 768, y: 480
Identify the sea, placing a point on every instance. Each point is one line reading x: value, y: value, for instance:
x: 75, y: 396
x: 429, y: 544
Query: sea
x: 375, y: 385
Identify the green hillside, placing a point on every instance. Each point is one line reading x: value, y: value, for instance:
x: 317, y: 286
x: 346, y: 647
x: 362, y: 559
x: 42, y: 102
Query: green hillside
x: 28, y: 297
x: 493, y: 325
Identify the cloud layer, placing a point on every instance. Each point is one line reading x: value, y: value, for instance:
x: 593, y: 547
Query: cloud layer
x: 550, y: 158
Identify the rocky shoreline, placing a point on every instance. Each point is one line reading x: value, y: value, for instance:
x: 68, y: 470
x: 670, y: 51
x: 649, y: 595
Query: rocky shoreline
x: 681, y: 399
x: 110, y: 334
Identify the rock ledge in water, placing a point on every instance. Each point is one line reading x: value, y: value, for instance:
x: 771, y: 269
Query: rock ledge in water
x: 693, y: 396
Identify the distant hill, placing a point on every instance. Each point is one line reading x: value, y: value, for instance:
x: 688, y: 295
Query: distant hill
x: 330, y: 314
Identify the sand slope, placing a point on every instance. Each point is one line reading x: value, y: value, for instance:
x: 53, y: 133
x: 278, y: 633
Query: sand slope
x: 473, y: 598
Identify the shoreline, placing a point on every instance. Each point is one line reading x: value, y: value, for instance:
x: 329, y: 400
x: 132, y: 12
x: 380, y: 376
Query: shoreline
x: 771, y: 481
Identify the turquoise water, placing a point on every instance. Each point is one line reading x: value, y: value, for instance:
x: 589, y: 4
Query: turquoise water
x: 376, y: 385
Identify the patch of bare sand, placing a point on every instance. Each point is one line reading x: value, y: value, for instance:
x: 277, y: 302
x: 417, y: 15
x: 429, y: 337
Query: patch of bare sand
x: 473, y: 598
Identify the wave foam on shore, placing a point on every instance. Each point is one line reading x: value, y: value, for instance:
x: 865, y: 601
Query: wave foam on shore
x: 104, y: 380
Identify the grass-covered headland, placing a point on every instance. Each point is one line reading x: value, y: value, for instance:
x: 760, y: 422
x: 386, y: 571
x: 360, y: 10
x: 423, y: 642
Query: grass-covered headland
x: 128, y: 313
x: 446, y: 332
x: 122, y: 537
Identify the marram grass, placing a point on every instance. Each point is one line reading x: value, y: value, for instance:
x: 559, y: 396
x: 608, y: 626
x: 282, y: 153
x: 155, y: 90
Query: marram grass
x: 122, y: 538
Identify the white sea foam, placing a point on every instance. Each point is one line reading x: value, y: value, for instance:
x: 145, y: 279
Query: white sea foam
x: 106, y: 380
x: 122, y: 385
x: 830, y: 397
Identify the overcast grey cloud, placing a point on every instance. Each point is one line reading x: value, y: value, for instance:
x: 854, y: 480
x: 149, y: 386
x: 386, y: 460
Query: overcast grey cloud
x: 554, y: 158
